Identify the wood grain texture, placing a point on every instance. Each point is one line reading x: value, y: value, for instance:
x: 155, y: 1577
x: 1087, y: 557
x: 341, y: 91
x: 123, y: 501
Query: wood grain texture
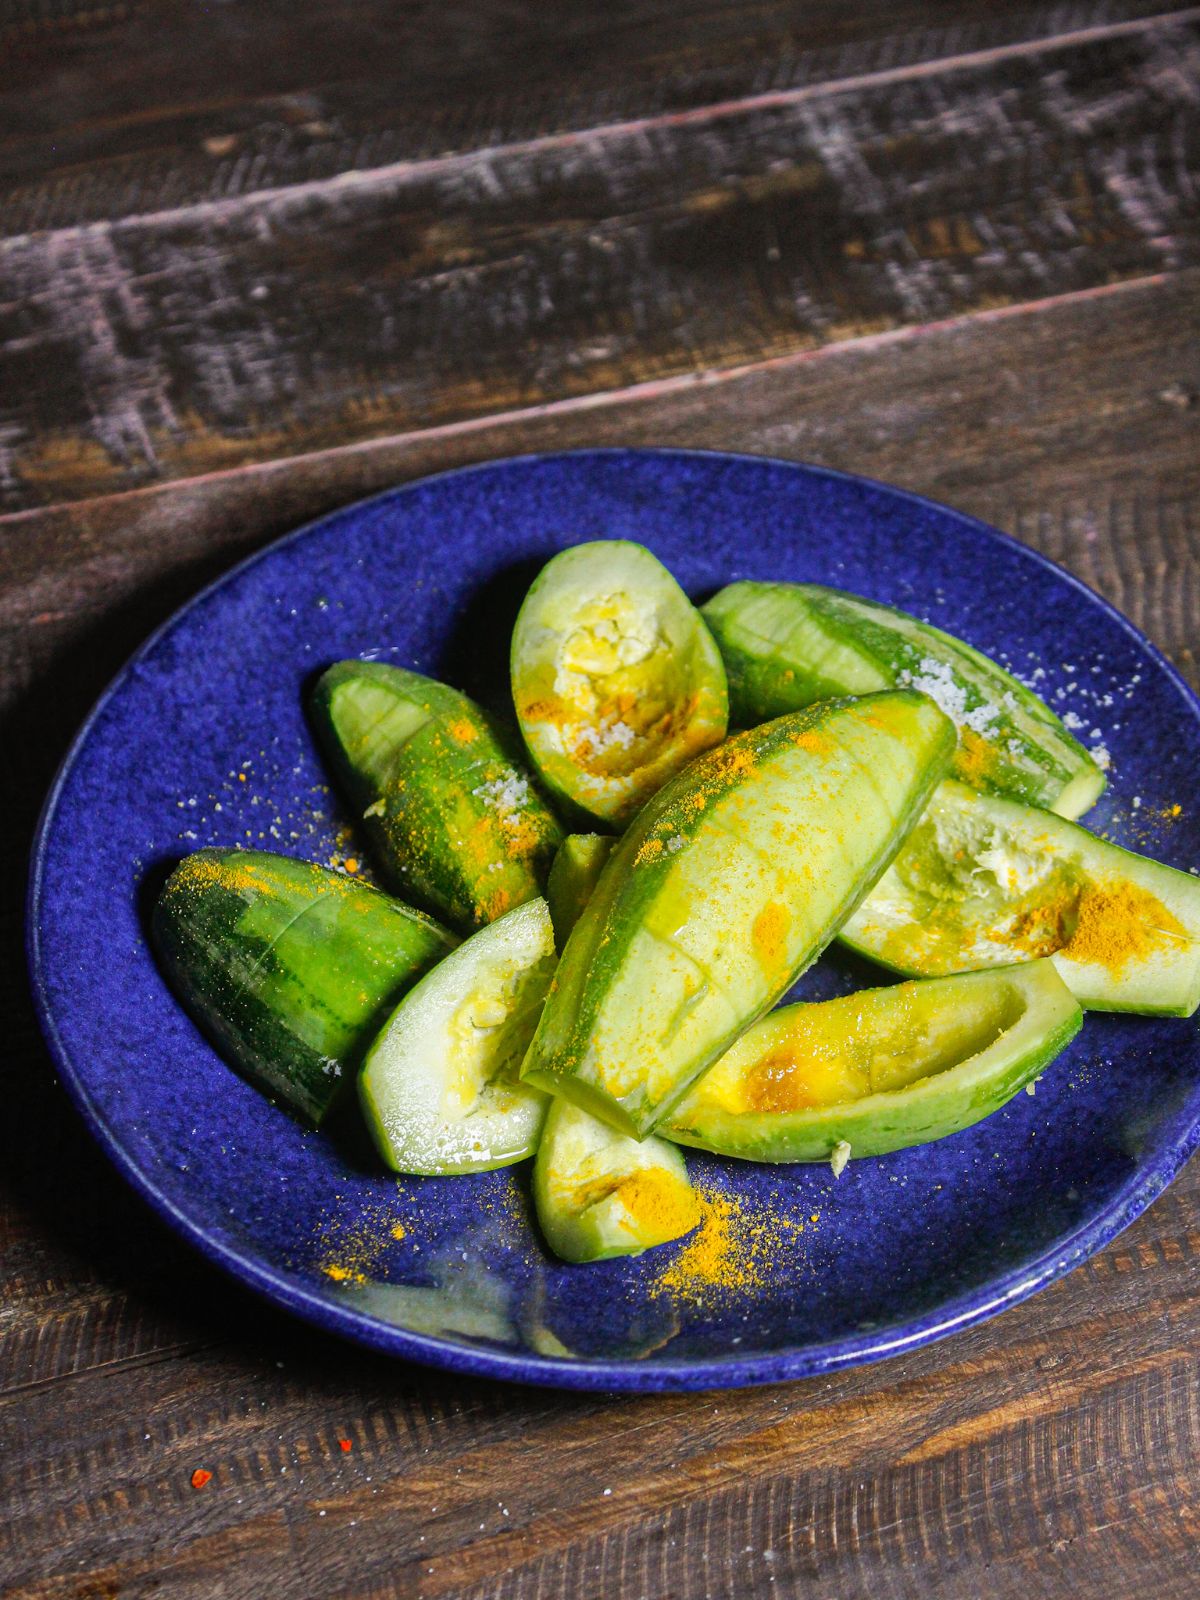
x: 158, y: 119
x: 1030, y: 1450
x: 951, y: 245
x: 418, y: 294
x: 1095, y: 460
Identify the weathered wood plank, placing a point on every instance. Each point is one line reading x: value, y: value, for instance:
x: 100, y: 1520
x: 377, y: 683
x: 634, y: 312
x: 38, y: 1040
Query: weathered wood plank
x: 410, y: 297
x: 451, y: 1483
x: 155, y: 119
x: 1094, y: 460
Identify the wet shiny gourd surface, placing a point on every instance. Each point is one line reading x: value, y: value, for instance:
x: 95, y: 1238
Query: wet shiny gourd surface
x: 729, y: 882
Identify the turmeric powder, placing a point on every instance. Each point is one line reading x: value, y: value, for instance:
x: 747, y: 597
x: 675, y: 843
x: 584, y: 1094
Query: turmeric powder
x: 817, y: 744
x: 1119, y: 924
x: 976, y: 758
x: 769, y: 934
x: 660, y: 1206
x: 734, y: 1249
x: 648, y: 850
x: 710, y: 1259
x: 1106, y: 925
x: 341, y: 1274
x: 352, y: 1250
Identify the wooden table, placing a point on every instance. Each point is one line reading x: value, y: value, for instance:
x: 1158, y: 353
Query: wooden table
x: 259, y: 260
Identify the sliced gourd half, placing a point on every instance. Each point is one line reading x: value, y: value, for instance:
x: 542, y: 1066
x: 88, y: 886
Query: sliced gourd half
x: 616, y: 679
x: 982, y: 882
x: 729, y: 883
x: 786, y: 645
x: 439, y: 1087
x: 446, y: 801
x: 600, y: 1193
x: 880, y: 1070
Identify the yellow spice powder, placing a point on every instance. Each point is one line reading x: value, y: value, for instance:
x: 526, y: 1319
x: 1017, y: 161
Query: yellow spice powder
x: 976, y: 757
x: 768, y: 934
x: 353, y: 1251
x: 1106, y: 924
x: 1120, y: 924
x: 711, y: 1258
x: 661, y: 1205
x: 734, y: 1249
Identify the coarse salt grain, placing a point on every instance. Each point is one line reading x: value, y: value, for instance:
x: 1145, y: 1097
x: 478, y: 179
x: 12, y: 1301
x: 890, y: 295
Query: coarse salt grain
x: 506, y: 796
x: 937, y: 680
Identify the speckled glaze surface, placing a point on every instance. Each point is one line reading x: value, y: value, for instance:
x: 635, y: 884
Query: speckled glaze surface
x: 202, y: 739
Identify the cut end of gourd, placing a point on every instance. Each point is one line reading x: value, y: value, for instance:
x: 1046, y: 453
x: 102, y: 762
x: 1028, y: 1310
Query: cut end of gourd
x: 1081, y: 794
x: 365, y: 707
x: 601, y: 1194
x: 983, y: 882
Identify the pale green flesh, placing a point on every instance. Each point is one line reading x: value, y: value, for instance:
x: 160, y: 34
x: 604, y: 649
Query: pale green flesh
x: 703, y: 917
x: 786, y: 645
x: 578, y: 864
x: 582, y: 1181
x: 439, y: 1087
x: 616, y: 679
x: 879, y: 1070
x: 972, y: 887
x: 374, y: 722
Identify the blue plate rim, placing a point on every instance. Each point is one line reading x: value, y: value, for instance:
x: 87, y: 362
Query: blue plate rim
x: 813, y: 1360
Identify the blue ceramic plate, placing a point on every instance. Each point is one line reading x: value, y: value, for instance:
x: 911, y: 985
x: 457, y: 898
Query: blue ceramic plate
x: 202, y: 740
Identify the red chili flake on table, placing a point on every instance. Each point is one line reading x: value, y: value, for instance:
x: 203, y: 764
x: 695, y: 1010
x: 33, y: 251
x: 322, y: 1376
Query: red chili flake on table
x: 346, y: 1444
x: 200, y: 1477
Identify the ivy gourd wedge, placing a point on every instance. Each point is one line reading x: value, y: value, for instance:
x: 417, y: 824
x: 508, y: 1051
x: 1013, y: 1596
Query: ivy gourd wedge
x: 577, y: 867
x: 439, y: 1087
x: 289, y: 967
x: 880, y: 1070
x: 786, y: 645
x: 727, y: 885
x: 616, y: 679
x: 600, y: 1193
x: 983, y: 882
x: 453, y: 817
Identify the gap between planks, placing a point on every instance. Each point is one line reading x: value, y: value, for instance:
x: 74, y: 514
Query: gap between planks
x: 103, y: 1369
x: 629, y: 394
